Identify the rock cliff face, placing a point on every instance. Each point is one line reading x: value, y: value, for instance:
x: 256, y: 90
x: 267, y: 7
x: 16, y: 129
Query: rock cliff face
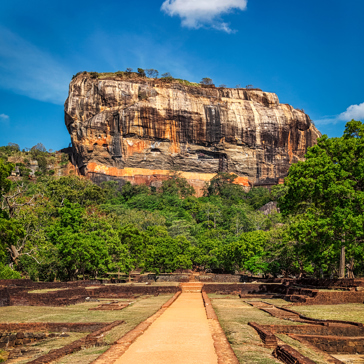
x: 141, y: 129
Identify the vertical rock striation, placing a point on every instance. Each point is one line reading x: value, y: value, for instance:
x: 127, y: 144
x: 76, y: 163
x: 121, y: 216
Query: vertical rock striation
x: 140, y: 129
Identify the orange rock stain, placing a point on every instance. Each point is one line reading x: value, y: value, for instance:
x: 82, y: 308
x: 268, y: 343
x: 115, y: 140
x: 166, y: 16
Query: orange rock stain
x: 135, y: 146
x: 147, y: 176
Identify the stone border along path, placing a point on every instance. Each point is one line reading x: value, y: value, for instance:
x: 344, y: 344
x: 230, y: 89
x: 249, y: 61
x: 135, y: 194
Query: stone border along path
x: 180, y: 332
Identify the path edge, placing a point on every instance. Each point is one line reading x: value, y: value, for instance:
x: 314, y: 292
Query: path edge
x: 122, y: 345
x: 225, y: 353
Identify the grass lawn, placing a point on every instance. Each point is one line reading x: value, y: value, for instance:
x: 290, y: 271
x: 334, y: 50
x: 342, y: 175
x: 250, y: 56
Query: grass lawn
x: 234, y: 314
x: 347, y: 312
x: 43, y: 347
x: 48, y: 290
x: 138, y: 311
x: 80, y: 312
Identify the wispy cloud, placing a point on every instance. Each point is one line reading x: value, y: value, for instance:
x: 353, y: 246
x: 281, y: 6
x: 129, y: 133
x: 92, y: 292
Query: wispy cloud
x: 28, y: 70
x: 355, y: 112
x: 199, y: 13
x: 4, y: 117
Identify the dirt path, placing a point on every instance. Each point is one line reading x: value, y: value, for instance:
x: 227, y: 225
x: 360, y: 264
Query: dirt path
x: 180, y: 335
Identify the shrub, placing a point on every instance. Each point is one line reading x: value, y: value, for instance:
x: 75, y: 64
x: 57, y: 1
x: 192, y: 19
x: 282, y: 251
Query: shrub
x: 141, y: 72
x: 7, y: 273
x: 206, y: 81
x: 94, y: 74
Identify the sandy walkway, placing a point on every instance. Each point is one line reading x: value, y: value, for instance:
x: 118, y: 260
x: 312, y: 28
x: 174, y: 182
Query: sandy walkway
x: 180, y: 335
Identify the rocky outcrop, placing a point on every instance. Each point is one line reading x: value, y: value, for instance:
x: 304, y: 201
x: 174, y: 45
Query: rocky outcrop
x: 141, y: 129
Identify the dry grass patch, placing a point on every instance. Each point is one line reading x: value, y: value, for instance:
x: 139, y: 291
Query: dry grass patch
x: 84, y: 356
x: 346, y: 312
x: 139, y: 310
x: 234, y: 315
x: 79, y: 312
x: 133, y: 316
x: 273, y: 301
x: 141, y: 284
x: 43, y: 347
x: 304, y: 350
x: 48, y: 290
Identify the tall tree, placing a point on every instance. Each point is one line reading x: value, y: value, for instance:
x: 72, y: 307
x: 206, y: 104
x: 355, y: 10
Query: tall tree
x: 327, y: 190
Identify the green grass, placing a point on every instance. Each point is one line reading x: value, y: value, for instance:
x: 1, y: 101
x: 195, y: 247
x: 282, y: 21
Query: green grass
x: 304, y: 350
x: 3, y: 356
x: 48, y: 290
x: 79, y: 312
x: 133, y: 316
x: 346, y: 312
x: 43, y: 347
x: 84, y: 356
x: 135, y: 313
x: 234, y: 315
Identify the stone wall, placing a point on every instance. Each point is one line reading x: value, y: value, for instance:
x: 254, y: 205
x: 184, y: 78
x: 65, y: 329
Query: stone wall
x: 127, y: 291
x: 20, y: 297
x: 334, y: 344
x: 224, y: 278
x: 163, y: 278
x: 13, y: 339
x: 289, y: 355
x: 248, y: 288
x: 335, y: 298
x: 52, y: 326
x: 4, y: 297
x: 314, y: 329
x: 331, y: 283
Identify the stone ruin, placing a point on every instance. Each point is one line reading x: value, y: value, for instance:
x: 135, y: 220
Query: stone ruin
x: 328, y: 337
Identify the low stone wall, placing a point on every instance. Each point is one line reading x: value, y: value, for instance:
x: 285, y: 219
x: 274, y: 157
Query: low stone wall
x: 128, y: 291
x: 334, y: 344
x: 268, y: 338
x: 12, y: 339
x: 29, y: 284
x: 330, y: 283
x: 11, y: 296
x: 332, y: 298
x: 52, y: 326
x: 289, y: 355
x: 93, y: 339
x: 224, y: 278
x: 298, y: 295
x: 19, y: 297
x: 318, y: 329
x: 248, y: 288
x: 163, y: 278
x: 4, y: 297
x: 16, y: 282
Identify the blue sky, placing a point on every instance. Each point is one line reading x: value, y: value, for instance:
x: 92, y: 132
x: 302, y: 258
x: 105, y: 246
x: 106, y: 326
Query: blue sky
x: 311, y: 53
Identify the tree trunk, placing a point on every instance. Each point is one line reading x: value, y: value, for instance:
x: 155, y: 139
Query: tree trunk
x: 350, y: 267
x: 342, y: 263
x: 14, y: 254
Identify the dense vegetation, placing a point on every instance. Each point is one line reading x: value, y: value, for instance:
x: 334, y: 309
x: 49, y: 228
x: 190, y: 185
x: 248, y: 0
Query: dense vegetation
x: 68, y: 228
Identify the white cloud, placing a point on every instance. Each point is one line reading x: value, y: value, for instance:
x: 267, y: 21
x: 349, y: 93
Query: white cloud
x: 28, y: 70
x: 197, y: 13
x: 355, y: 112
x: 4, y: 117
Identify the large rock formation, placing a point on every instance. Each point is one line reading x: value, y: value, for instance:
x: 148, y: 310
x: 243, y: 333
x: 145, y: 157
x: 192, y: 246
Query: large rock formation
x: 141, y: 129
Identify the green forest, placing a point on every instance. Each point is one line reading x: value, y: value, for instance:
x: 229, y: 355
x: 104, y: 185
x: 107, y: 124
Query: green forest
x: 67, y: 228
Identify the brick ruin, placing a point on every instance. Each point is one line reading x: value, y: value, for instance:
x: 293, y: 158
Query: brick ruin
x: 328, y: 337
